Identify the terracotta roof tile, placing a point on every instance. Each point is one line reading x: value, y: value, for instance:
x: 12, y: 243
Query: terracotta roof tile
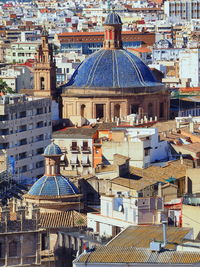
x: 141, y: 236
x: 138, y: 255
x: 63, y: 219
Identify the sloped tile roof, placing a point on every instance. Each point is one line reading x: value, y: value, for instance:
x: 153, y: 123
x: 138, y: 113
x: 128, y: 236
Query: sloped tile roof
x: 138, y: 255
x: 63, y: 219
x: 141, y: 236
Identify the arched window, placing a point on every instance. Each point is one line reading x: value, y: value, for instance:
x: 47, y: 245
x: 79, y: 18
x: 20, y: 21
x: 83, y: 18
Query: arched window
x: 13, y: 248
x: 150, y: 110
x: 42, y: 83
x: 117, y: 110
x: 82, y: 110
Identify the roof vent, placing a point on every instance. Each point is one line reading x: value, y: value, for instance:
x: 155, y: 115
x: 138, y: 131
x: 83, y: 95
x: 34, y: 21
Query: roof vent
x: 156, y: 245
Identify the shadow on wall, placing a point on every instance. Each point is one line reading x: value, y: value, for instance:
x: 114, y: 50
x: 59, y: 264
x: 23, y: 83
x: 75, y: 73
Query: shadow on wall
x: 105, y: 161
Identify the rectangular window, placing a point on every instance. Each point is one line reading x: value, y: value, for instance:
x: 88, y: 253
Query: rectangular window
x: 39, y: 138
x: 39, y: 111
x: 22, y: 142
x: 22, y: 114
x: 39, y: 124
x: 74, y: 145
x: 40, y: 151
x: 161, y: 110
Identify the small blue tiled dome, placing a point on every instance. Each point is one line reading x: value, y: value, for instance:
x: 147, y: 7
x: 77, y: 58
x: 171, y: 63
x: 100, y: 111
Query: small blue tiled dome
x: 115, y: 68
x: 53, y: 186
x: 113, y: 18
x: 52, y: 150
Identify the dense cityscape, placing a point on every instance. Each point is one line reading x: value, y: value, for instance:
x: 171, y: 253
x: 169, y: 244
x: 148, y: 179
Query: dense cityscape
x: 100, y: 133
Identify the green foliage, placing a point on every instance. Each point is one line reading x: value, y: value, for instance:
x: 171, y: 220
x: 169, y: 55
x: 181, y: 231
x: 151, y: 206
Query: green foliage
x: 4, y: 88
x: 80, y: 221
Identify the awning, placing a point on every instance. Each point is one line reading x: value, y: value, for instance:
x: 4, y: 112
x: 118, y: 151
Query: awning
x: 170, y: 179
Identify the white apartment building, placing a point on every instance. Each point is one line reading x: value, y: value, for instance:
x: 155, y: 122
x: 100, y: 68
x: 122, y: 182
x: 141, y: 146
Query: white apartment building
x: 66, y: 65
x: 182, y: 10
x: 77, y: 148
x: 120, y: 211
x: 20, y: 52
x: 25, y: 130
x: 189, y: 66
x: 141, y: 145
x: 17, y: 77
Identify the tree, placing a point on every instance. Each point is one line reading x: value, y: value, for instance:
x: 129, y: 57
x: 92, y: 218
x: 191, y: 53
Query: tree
x: 4, y: 88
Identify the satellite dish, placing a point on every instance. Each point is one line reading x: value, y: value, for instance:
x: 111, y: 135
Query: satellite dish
x: 120, y: 209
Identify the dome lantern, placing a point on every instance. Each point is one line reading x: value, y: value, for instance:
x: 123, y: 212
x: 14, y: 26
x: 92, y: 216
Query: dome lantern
x: 113, y: 31
x: 52, y: 155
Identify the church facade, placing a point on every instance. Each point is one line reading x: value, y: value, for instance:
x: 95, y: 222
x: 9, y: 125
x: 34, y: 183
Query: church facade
x: 113, y: 82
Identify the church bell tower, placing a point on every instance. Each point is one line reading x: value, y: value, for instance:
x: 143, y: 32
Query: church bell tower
x: 44, y: 69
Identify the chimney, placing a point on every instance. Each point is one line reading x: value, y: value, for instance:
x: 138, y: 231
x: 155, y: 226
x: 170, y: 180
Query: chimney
x: 181, y: 158
x: 157, y: 245
x: 165, y: 134
x: 191, y: 127
x: 159, y: 190
x: 164, y: 224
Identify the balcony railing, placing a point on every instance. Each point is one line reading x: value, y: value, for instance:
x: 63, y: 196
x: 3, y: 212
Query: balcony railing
x: 74, y: 163
x: 83, y: 163
x: 85, y: 149
x: 74, y: 149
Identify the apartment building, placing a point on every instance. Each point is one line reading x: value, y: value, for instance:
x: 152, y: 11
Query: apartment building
x: 182, y: 10
x: 120, y: 211
x: 141, y: 145
x: 190, y: 57
x: 89, y: 42
x: 20, y: 52
x: 17, y: 77
x: 25, y: 130
x: 79, y: 149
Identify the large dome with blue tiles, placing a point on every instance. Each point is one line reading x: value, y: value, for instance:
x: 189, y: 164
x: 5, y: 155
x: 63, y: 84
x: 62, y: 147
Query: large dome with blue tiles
x: 53, y: 186
x: 114, y: 68
x: 113, y: 83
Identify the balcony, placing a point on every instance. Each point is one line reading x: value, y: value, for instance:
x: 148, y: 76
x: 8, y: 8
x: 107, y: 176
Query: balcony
x: 74, y: 149
x: 85, y: 164
x: 86, y: 149
x: 74, y: 163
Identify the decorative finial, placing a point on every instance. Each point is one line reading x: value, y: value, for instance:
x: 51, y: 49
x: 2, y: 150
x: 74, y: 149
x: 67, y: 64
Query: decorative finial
x: 44, y: 31
x: 108, y: 6
x: 52, y: 141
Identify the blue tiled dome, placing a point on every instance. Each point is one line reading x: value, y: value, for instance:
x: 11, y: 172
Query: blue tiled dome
x: 53, y: 186
x: 115, y: 68
x: 52, y: 150
x: 113, y: 18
